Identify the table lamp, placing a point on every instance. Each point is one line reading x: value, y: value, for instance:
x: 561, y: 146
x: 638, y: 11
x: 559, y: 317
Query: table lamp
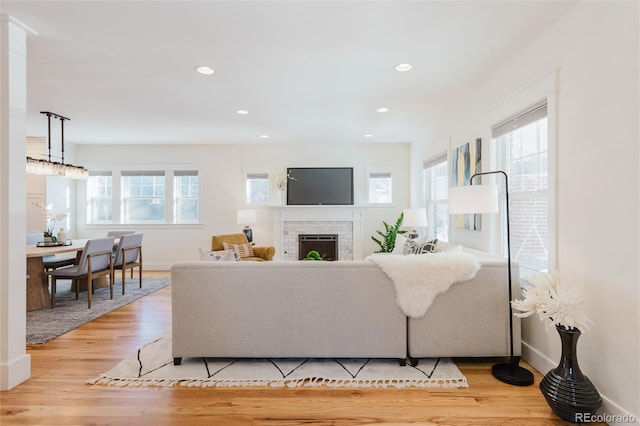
x: 414, y: 218
x: 247, y: 217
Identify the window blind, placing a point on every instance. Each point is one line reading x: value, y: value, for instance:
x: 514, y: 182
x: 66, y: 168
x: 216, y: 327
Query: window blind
x: 142, y: 173
x: 440, y: 158
x: 528, y: 116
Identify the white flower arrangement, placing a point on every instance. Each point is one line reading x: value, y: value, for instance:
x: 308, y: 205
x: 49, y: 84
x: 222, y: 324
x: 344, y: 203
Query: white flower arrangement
x: 280, y: 180
x: 552, y: 300
x: 50, y: 221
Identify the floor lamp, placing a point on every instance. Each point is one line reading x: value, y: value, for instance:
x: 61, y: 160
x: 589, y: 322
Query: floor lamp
x: 484, y: 199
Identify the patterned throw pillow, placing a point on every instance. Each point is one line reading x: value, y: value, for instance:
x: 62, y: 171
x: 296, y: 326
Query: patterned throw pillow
x: 244, y: 250
x: 216, y: 256
x: 413, y: 246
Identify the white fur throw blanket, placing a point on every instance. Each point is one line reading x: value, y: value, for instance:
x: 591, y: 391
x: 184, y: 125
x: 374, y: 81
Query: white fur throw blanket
x: 418, y: 279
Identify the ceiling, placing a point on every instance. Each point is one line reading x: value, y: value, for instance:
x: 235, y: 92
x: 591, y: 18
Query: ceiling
x: 307, y: 72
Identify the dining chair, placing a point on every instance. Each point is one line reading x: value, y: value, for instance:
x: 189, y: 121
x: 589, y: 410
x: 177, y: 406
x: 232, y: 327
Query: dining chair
x: 128, y: 255
x: 95, y: 261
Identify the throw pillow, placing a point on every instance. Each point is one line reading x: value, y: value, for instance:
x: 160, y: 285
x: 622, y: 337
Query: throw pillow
x: 217, y: 256
x: 244, y: 250
x: 419, y: 247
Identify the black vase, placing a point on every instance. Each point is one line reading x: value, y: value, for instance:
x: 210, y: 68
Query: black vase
x: 569, y: 393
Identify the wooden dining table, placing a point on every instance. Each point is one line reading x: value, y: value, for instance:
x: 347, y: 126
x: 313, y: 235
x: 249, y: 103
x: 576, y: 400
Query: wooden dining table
x: 38, y: 296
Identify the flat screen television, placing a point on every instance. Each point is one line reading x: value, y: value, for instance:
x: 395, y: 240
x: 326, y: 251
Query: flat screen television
x: 313, y: 186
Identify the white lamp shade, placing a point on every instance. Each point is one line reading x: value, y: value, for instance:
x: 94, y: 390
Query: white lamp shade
x: 246, y: 216
x: 415, y: 217
x: 473, y: 199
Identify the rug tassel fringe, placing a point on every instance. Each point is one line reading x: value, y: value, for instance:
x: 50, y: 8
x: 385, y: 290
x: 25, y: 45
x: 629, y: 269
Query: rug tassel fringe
x: 312, y: 382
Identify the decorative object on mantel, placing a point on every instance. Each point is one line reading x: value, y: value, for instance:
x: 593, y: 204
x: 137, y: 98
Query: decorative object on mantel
x: 53, y: 168
x: 247, y: 217
x: 50, y: 223
x: 151, y: 365
x: 569, y: 393
x: 280, y: 180
x: 484, y: 199
x: 414, y: 219
x: 388, y: 241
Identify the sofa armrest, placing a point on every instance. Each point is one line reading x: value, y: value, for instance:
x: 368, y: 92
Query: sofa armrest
x: 264, y: 252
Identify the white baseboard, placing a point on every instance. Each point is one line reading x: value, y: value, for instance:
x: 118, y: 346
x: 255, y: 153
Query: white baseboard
x: 16, y: 372
x: 610, y: 412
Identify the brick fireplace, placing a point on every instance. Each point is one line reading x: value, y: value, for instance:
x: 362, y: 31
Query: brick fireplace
x: 345, y: 223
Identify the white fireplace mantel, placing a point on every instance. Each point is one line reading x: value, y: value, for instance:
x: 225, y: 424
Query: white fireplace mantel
x: 318, y: 215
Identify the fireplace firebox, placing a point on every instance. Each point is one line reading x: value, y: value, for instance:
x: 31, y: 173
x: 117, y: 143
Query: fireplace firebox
x: 325, y: 244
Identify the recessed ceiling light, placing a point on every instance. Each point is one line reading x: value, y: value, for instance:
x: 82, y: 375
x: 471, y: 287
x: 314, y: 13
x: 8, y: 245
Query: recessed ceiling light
x: 264, y: 136
x: 203, y: 69
x: 242, y: 111
x: 368, y: 135
x: 403, y: 67
x: 382, y: 109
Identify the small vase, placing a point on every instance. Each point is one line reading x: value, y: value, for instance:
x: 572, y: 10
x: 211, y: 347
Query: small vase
x: 48, y: 239
x: 62, y: 235
x: 569, y: 393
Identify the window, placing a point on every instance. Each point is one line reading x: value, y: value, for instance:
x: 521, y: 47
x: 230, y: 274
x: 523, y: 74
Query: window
x: 380, y: 188
x: 99, y: 197
x: 522, y: 146
x: 257, y: 188
x: 186, y: 196
x: 143, y: 198
x: 436, y: 185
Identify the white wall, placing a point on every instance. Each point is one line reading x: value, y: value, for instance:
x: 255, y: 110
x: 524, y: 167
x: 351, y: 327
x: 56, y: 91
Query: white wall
x: 594, y: 52
x: 222, y: 170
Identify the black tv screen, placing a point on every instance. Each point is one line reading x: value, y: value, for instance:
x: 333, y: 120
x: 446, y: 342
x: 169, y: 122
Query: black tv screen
x: 312, y: 186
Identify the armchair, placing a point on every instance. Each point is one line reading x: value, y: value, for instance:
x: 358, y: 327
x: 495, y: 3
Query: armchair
x: 259, y: 253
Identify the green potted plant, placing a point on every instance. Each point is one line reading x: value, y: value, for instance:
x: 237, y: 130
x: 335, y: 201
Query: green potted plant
x: 388, y: 240
x: 313, y: 255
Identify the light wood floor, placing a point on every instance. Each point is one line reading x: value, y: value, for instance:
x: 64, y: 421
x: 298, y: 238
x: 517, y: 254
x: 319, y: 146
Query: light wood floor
x: 57, y: 394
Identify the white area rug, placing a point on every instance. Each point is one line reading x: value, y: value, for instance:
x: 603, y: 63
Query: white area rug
x: 152, y: 365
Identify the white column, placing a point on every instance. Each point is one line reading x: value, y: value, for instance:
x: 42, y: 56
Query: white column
x: 15, y: 363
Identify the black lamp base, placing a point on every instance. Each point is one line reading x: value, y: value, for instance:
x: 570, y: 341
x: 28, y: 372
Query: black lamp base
x: 512, y: 374
x: 248, y: 232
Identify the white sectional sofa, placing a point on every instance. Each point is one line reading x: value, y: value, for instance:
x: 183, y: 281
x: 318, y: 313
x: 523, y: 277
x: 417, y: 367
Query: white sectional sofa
x: 336, y: 309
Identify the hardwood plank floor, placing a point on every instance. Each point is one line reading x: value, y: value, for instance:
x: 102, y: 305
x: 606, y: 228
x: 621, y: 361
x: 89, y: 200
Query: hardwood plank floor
x: 57, y: 394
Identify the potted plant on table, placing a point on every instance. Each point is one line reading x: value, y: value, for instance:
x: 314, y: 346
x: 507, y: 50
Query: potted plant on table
x: 569, y: 393
x: 50, y: 222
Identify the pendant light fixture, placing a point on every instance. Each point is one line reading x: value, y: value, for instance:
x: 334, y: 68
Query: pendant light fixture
x: 53, y: 168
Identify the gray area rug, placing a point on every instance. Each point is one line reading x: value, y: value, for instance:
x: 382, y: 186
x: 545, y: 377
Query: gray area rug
x: 152, y: 365
x: 47, y: 324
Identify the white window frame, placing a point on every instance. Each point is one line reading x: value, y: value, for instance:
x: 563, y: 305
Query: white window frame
x: 118, y: 195
x: 166, y: 178
x: 256, y: 175
x: 90, y: 206
x: 432, y: 203
x: 177, y: 197
x: 537, y: 92
x: 381, y: 173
